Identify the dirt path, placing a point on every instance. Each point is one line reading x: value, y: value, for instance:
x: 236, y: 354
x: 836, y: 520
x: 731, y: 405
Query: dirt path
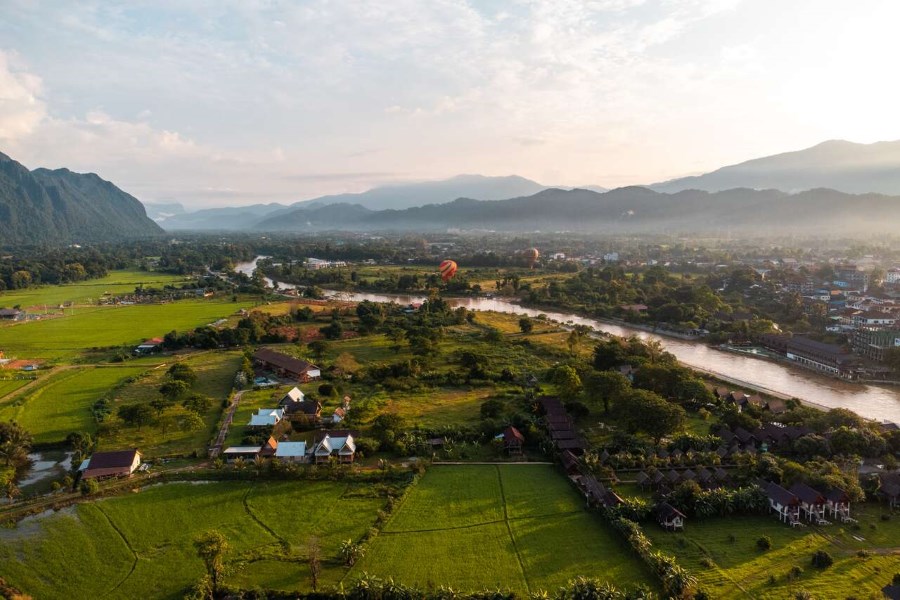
x: 216, y: 449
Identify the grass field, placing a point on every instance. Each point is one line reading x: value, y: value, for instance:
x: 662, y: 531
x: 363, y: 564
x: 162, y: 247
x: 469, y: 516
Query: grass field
x: 62, y: 402
x: 738, y: 569
x: 517, y: 527
x: 215, y: 378
x: 68, y: 337
x: 116, y: 282
x: 140, y: 545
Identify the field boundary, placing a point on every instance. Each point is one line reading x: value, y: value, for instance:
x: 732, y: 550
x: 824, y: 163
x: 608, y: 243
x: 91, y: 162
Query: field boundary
x: 512, y: 538
x: 127, y: 544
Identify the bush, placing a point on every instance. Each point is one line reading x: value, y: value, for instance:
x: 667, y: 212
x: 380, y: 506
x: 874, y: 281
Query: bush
x: 795, y: 572
x: 821, y: 559
x: 764, y: 543
x: 89, y: 487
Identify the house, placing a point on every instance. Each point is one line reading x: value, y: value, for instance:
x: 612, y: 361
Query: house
x: 235, y: 452
x: 266, y: 417
x: 669, y: 517
x: 513, y: 440
x: 890, y: 488
x: 120, y: 463
x: 269, y: 448
x: 812, y: 503
x: 597, y: 494
x: 308, y: 411
x: 11, y: 314
x: 339, y: 444
x: 294, y: 452
x: 339, y: 415
x: 827, y: 358
x: 295, y: 395
x: 286, y: 366
x: 783, y: 502
x: 643, y: 480
x: 776, y: 406
x: 570, y: 464
x: 891, y: 592
x: 148, y: 347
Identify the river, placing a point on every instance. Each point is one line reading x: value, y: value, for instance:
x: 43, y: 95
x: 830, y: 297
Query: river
x: 870, y: 401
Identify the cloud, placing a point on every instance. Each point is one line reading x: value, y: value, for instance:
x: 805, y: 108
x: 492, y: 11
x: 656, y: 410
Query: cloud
x: 21, y: 109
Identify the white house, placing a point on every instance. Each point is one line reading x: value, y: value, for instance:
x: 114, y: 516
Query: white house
x: 266, y: 417
x: 335, y: 443
x: 291, y: 451
x: 786, y: 504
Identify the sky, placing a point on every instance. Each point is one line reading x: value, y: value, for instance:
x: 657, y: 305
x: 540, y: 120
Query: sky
x: 231, y: 102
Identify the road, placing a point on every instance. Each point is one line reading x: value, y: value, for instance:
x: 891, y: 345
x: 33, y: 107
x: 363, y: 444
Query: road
x: 223, y: 432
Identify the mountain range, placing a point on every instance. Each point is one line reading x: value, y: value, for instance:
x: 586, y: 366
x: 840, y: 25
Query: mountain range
x: 835, y: 164
x: 389, y: 197
x: 61, y: 206
x: 624, y: 210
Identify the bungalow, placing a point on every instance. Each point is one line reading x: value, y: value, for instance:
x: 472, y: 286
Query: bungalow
x: 643, y: 480
x: 890, y: 488
x: 513, y: 440
x: 269, y: 448
x: 570, y: 464
x: 783, y: 502
x: 776, y: 406
x: 121, y: 463
x: 335, y: 443
x: 339, y: 415
x: 266, y: 417
x: 811, y: 502
x: 307, y: 410
x: 597, y: 494
x: 669, y: 517
x: 286, y: 366
x: 837, y: 502
x: 295, y: 395
x: 294, y: 452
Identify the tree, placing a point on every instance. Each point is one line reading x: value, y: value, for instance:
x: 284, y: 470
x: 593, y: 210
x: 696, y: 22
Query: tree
x: 693, y: 391
x: 211, y: 548
x: 567, y: 380
x: 197, y: 403
x: 15, y: 443
x: 526, y: 325
x: 314, y: 560
x: 332, y: 331
x: 191, y: 421
x: 318, y: 348
x: 182, y: 372
x: 610, y: 354
x: 647, y: 412
x: 159, y: 405
x: 607, y: 387
x: 174, y: 390
x: 136, y: 415
x: 351, y: 552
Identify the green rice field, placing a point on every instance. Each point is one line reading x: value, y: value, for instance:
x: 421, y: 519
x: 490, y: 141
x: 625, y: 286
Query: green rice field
x: 116, y: 282
x: 69, y: 336
x: 8, y: 386
x: 62, y: 402
x: 140, y: 545
x: 518, y: 527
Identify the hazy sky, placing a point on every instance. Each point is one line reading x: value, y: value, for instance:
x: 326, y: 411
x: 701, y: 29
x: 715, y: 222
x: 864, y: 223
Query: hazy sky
x: 222, y: 102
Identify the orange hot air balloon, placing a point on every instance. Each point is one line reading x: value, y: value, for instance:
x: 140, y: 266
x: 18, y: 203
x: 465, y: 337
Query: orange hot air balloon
x: 533, y: 255
x: 448, y: 270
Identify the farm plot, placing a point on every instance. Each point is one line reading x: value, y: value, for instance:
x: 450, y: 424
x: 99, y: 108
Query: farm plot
x: 723, y: 555
x: 8, y: 386
x: 519, y: 527
x: 62, y: 403
x: 69, y: 336
x: 141, y: 545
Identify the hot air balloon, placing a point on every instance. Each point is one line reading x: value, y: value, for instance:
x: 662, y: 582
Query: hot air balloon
x: 447, y: 269
x: 532, y: 254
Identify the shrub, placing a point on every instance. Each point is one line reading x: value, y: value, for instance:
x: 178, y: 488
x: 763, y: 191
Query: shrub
x: 764, y: 543
x: 89, y: 487
x: 707, y: 562
x: 795, y: 572
x: 821, y: 559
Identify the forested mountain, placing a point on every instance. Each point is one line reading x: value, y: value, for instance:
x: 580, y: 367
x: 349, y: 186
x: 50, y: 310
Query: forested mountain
x: 624, y: 210
x: 61, y: 206
x: 836, y: 164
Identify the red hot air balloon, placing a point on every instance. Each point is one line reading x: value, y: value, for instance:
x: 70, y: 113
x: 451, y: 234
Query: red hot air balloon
x: 532, y: 254
x: 448, y: 270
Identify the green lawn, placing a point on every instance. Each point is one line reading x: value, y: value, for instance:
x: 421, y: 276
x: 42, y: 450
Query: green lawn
x: 68, y: 337
x: 518, y: 527
x: 62, y: 403
x: 140, y: 545
x: 116, y: 282
x: 739, y: 570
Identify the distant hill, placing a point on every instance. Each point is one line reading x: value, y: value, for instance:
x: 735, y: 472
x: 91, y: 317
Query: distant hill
x: 62, y: 206
x: 624, y: 210
x: 162, y: 211
x: 837, y: 164
x: 228, y: 218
